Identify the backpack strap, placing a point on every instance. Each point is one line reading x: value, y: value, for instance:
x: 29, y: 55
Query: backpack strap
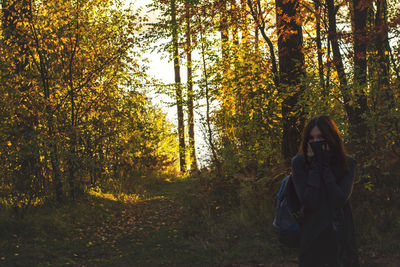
x: 282, y: 189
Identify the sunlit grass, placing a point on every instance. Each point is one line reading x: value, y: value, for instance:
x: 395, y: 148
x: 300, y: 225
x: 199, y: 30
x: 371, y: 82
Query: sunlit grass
x: 123, y: 197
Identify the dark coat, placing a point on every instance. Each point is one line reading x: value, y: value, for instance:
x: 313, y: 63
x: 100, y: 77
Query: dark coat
x: 326, y: 202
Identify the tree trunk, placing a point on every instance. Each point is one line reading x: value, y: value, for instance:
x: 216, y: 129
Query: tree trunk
x: 385, y: 97
x: 337, y: 56
x: 226, y: 90
x: 244, y: 22
x: 256, y: 40
x: 73, y: 186
x: 54, y: 157
x: 223, y: 29
x: 72, y: 142
x: 317, y: 6
x: 45, y: 80
x: 328, y: 71
x: 14, y: 13
x: 358, y: 126
x: 291, y: 73
x: 192, y: 144
x: 235, y: 22
x: 208, y: 122
x: 178, y: 89
x: 258, y: 16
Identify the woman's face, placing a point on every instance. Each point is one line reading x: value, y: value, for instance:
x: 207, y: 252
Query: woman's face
x: 315, y: 135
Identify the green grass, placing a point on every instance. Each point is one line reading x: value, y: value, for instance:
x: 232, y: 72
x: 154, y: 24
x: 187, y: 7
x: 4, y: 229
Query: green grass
x: 175, y: 222
x: 166, y: 226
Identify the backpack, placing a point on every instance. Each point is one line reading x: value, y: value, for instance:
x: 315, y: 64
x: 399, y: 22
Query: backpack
x: 289, y: 214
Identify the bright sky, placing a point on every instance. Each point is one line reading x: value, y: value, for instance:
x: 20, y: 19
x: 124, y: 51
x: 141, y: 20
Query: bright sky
x: 163, y: 70
x: 159, y: 68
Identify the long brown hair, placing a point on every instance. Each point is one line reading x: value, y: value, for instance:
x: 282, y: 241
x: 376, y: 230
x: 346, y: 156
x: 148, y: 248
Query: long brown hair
x: 331, y: 134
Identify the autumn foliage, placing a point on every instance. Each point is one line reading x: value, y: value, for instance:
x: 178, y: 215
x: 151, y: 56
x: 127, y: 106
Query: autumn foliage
x: 77, y: 119
x: 73, y: 112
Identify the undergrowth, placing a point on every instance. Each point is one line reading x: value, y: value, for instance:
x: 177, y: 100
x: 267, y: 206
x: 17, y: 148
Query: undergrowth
x: 168, y: 221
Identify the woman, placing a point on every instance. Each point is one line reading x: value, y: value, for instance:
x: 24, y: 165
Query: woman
x: 323, y: 176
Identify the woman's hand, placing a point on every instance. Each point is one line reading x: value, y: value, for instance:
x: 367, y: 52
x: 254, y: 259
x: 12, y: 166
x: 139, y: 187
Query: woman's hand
x: 326, y: 155
x: 316, y: 148
x: 322, y: 152
x: 309, y: 150
x: 313, y: 154
x: 320, y: 155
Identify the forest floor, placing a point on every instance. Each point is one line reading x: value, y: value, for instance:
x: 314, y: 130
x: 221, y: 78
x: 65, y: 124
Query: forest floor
x: 154, y: 230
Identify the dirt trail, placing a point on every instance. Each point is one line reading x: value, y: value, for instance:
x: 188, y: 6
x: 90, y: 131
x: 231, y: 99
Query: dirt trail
x: 160, y: 229
x: 149, y: 233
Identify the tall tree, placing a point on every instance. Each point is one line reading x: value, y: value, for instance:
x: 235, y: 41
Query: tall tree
x: 337, y: 55
x: 257, y: 13
x: 192, y: 143
x: 340, y: 69
x: 201, y: 17
x: 16, y: 14
x: 384, y: 93
x: 359, y: 23
x: 317, y: 6
x: 223, y: 29
x: 178, y: 87
x: 291, y: 73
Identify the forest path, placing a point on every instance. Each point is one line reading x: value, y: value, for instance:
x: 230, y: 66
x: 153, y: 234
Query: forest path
x: 154, y: 231
x: 98, y: 231
x: 142, y: 233
x: 162, y: 228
